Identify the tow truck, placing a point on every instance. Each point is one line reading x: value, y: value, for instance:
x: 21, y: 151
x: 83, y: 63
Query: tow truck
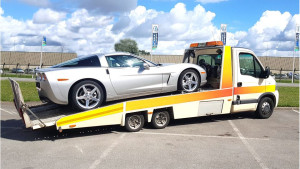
x: 237, y: 82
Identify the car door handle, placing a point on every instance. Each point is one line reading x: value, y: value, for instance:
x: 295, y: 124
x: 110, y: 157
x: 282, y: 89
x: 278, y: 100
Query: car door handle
x: 239, y: 84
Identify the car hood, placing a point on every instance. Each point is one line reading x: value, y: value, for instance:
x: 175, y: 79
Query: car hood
x: 166, y: 64
x: 47, y: 69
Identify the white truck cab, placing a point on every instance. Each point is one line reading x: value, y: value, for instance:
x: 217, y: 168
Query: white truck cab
x: 253, y: 88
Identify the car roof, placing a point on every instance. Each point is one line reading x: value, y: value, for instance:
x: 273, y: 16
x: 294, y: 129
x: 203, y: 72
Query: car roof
x: 106, y: 54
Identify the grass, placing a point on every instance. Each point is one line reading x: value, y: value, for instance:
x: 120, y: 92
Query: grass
x: 28, y: 90
x: 17, y: 75
x: 288, y: 96
x: 286, y: 81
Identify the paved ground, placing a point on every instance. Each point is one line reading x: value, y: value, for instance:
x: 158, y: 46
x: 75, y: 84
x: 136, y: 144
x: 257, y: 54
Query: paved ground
x: 226, y: 141
x: 288, y: 84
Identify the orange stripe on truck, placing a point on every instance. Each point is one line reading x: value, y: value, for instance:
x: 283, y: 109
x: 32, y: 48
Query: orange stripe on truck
x: 176, y: 99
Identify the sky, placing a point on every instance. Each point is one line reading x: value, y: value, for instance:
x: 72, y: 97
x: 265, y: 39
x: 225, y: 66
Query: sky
x: 92, y: 26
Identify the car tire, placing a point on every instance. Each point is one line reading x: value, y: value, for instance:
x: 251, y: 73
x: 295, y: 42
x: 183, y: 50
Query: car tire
x: 134, y: 122
x: 160, y: 119
x: 86, y: 95
x: 265, y: 108
x: 189, y: 81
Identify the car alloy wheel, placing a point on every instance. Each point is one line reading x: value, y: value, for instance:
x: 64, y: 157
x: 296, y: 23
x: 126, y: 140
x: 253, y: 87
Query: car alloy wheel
x: 88, y: 96
x: 190, y: 81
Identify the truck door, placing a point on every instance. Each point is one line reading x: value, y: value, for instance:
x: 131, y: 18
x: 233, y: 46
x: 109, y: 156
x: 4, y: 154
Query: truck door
x: 248, y: 84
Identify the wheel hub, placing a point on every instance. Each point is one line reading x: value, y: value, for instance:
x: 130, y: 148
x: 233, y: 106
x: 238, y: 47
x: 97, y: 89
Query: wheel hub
x: 134, y: 122
x: 189, y: 82
x: 266, y: 108
x: 88, y: 96
x: 161, y: 119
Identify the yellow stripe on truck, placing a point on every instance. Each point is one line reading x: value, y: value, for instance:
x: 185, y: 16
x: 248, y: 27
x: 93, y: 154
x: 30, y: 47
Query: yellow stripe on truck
x: 227, y: 69
x: 91, y: 114
x: 270, y: 88
x: 254, y: 89
x: 170, y: 100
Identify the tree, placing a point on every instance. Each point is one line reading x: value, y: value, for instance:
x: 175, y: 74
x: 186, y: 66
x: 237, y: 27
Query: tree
x: 127, y: 45
x: 143, y: 53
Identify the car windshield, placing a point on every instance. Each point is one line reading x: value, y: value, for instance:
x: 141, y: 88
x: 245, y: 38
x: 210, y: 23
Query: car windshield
x: 89, y: 61
x: 154, y: 64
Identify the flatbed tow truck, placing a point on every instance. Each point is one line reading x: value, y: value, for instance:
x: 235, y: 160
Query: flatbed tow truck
x: 237, y: 82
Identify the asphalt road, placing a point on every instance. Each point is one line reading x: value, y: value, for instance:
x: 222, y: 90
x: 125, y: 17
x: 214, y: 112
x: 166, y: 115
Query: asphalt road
x: 225, y: 141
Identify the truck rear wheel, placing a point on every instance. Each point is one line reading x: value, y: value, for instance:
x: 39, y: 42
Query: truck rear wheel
x: 265, y: 108
x: 134, y: 122
x: 160, y: 119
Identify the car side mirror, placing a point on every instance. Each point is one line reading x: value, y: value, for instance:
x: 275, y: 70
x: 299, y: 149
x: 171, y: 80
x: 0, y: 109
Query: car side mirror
x: 266, y: 73
x: 146, y: 66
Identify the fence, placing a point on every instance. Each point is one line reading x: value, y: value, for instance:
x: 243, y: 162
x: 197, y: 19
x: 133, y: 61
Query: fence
x: 276, y: 64
x: 32, y: 59
x: 11, y: 59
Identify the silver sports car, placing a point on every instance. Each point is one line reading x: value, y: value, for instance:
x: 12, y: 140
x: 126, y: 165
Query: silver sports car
x: 87, y: 82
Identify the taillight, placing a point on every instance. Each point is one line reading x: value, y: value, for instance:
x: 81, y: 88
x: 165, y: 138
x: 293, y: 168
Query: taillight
x: 38, y: 77
x: 44, y: 77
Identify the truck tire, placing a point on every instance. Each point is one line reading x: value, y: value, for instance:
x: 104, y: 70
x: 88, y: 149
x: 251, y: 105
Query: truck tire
x: 134, y: 122
x: 160, y: 119
x: 189, y: 81
x: 265, y: 108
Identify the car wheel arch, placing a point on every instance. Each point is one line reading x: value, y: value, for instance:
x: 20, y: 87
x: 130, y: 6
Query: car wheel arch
x: 268, y: 94
x: 97, y: 81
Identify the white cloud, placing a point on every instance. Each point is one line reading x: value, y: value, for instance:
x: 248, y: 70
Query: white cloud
x: 48, y: 16
x: 1, y: 11
x: 86, y: 32
x: 273, y: 34
x: 210, y: 1
x: 177, y: 25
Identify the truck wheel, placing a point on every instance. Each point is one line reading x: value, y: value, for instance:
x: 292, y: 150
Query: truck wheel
x: 86, y: 95
x: 189, y: 81
x: 134, y: 122
x: 160, y: 119
x: 265, y: 108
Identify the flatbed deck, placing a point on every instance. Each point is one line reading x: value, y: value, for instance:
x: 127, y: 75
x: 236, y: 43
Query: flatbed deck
x: 48, y: 114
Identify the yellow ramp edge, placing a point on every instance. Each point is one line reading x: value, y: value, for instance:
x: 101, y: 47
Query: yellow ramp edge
x: 91, y: 114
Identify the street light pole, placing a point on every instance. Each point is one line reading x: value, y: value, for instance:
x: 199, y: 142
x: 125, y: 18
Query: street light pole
x: 41, y: 56
x: 293, y: 66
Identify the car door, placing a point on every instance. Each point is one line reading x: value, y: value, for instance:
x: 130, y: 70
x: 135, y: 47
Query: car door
x: 129, y: 77
x: 249, y: 82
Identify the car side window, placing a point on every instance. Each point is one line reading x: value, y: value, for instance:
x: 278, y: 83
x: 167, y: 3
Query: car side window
x: 123, y: 61
x: 91, y: 61
x: 249, y: 65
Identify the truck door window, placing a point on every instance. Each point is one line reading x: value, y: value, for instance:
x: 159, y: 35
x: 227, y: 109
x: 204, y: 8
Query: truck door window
x: 249, y: 65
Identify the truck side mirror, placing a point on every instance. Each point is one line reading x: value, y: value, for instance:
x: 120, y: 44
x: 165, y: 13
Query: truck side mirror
x: 266, y: 73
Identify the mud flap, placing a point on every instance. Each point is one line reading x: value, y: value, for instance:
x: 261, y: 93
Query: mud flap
x: 19, y: 103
